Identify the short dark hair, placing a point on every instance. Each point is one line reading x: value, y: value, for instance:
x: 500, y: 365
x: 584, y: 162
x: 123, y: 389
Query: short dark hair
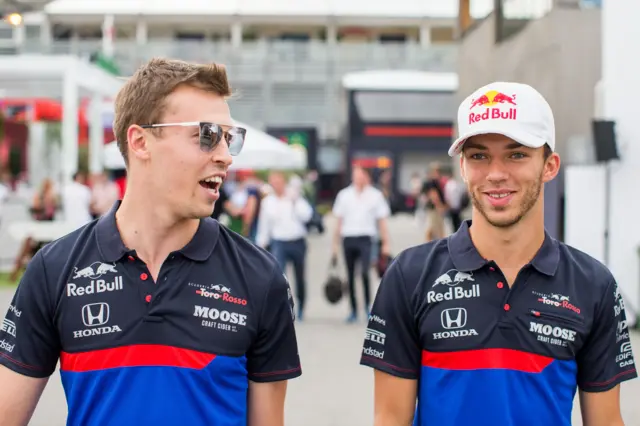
x: 364, y: 170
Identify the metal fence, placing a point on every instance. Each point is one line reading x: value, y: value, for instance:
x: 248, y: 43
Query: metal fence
x: 278, y: 82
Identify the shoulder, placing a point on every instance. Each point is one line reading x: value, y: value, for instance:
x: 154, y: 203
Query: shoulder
x: 417, y: 265
x: 268, y: 199
x: 375, y: 191
x: 256, y: 262
x: 60, y: 255
x: 414, y: 258
x: 346, y: 191
x: 584, y: 268
x: 342, y: 195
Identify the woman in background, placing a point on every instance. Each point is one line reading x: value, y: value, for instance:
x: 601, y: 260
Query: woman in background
x: 43, y: 207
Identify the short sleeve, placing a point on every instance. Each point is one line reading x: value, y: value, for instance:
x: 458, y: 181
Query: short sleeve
x: 607, y: 359
x: 29, y: 342
x: 382, y: 209
x: 274, y: 354
x: 391, y: 340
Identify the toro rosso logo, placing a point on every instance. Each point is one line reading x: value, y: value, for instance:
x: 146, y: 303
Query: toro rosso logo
x: 494, y: 102
x: 220, y: 292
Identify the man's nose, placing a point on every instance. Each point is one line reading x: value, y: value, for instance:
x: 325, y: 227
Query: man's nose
x: 221, y: 154
x: 497, y: 171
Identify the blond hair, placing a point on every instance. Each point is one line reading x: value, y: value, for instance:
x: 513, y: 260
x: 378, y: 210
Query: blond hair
x: 142, y: 99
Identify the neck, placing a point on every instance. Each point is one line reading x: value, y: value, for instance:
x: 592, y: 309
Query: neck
x: 511, y: 247
x: 152, y: 232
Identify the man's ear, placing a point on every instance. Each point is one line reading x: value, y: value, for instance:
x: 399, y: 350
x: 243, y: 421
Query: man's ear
x: 138, y: 142
x: 551, y: 167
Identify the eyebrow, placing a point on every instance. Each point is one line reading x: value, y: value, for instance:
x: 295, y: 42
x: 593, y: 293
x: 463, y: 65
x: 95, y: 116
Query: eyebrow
x: 474, y: 145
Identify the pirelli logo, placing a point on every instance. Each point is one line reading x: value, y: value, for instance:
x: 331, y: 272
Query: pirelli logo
x: 375, y: 336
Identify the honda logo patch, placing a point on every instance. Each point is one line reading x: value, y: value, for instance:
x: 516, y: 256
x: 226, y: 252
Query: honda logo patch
x: 453, y: 318
x: 95, y: 314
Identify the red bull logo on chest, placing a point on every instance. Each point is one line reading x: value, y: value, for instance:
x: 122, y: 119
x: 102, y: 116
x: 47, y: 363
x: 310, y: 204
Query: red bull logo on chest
x: 490, y: 100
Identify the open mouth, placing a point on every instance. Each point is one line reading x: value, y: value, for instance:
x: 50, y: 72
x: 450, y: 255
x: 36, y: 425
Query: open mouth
x: 212, y: 183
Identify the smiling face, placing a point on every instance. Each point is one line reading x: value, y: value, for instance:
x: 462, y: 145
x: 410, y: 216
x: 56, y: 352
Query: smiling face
x: 505, y: 179
x: 180, y: 175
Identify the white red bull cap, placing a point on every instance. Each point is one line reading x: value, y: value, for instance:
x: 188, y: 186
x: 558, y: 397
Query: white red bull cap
x: 515, y: 110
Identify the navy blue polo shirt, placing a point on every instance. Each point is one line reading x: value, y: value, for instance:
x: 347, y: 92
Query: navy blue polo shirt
x: 487, y: 354
x: 180, y: 350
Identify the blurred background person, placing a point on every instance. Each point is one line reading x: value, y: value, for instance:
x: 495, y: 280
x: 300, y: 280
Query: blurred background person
x: 44, y: 206
x: 435, y: 204
x: 76, y: 200
x: 223, y: 208
x: 104, y: 194
x: 284, y: 214
x: 45, y: 202
x: 456, y: 198
x: 361, y: 211
x: 310, y: 193
x: 245, y: 204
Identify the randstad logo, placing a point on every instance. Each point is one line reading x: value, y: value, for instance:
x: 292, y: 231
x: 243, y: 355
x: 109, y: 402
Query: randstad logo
x: 491, y: 99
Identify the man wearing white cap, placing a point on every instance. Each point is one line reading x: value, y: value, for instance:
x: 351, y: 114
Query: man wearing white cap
x: 499, y: 324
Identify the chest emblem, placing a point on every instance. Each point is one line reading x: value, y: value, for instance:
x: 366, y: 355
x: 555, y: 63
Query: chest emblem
x: 453, y: 285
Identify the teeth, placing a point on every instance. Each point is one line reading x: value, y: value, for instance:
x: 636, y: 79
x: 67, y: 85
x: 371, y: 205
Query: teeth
x: 214, y: 179
x: 498, y: 195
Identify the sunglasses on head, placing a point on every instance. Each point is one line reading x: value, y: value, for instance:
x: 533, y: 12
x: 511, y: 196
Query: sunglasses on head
x: 211, y: 134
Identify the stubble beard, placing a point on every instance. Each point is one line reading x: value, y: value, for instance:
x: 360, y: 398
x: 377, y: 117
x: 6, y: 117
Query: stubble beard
x: 528, y: 202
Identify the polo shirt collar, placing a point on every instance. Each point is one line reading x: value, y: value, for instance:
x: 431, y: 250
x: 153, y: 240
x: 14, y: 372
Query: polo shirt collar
x: 112, y: 248
x: 466, y: 258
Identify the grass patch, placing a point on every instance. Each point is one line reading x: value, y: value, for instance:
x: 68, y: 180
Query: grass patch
x: 5, y: 282
x: 324, y: 208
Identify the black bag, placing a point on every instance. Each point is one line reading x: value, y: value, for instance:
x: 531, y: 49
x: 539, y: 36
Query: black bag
x: 334, y: 287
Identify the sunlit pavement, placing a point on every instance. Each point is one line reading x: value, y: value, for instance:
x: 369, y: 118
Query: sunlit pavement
x: 333, y: 390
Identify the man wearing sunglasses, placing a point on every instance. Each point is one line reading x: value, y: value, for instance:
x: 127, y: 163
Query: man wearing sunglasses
x: 157, y: 314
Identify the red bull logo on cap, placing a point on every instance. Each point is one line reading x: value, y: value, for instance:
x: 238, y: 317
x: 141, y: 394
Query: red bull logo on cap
x: 489, y: 100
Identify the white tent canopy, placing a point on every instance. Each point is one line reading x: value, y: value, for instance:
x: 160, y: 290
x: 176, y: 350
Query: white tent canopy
x: 263, y: 151
x: 260, y: 151
x: 68, y: 78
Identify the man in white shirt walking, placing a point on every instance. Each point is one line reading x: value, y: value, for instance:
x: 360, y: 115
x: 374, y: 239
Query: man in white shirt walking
x: 282, y: 221
x: 362, y: 213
